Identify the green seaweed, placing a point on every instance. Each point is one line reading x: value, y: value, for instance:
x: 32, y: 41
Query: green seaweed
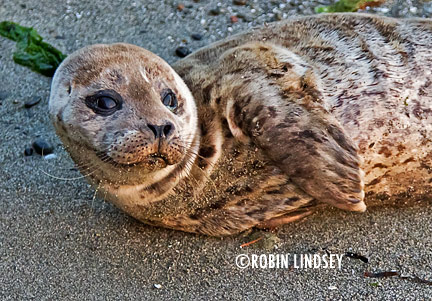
x: 31, y: 50
x: 347, y: 6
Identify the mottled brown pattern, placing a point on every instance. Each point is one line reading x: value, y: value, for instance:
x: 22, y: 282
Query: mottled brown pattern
x: 309, y: 111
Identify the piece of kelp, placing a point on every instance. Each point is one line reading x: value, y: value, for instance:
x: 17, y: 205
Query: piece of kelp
x: 385, y: 274
x: 31, y: 50
x: 348, y: 6
x: 357, y: 256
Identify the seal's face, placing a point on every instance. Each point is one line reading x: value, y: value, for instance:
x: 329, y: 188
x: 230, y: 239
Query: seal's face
x: 123, y: 107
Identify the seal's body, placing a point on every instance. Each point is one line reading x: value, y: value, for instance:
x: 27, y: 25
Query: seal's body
x: 283, y: 118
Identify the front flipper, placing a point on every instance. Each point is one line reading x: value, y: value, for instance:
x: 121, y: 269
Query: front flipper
x: 277, y: 107
x: 317, y: 155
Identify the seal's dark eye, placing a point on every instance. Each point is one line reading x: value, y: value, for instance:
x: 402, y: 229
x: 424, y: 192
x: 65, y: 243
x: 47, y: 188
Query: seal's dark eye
x: 104, y: 102
x: 170, y: 100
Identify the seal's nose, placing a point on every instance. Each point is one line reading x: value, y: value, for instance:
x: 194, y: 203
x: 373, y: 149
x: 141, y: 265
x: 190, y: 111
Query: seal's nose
x: 161, y: 131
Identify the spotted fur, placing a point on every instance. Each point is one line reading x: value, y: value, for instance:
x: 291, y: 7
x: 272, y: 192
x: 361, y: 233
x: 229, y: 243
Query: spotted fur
x: 293, y: 115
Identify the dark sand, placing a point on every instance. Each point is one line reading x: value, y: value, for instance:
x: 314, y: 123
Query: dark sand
x: 58, y: 243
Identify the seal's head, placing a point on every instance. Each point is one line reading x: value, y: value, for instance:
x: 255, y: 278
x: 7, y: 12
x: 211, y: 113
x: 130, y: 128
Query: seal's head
x: 123, y: 112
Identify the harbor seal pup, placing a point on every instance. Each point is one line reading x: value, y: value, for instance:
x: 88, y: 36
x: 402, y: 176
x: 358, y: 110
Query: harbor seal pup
x: 256, y: 130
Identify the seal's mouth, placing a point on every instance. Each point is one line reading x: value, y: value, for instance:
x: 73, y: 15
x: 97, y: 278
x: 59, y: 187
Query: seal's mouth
x: 159, y: 158
x: 153, y: 161
x: 159, y: 155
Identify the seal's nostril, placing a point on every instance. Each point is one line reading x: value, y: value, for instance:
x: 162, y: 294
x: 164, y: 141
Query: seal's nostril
x: 160, y: 131
x: 167, y: 130
x: 154, y: 130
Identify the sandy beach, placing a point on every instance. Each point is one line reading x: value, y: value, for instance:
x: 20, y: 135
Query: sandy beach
x: 59, y: 242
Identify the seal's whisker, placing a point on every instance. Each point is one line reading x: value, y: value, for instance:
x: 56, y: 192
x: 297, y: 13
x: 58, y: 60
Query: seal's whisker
x: 95, y: 193
x: 67, y: 179
x: 200, y: 170
x: 83, y: 167
x: 198, y: 155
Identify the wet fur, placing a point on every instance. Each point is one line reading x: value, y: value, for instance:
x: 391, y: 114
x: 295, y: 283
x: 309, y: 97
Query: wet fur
x: 291, y: 116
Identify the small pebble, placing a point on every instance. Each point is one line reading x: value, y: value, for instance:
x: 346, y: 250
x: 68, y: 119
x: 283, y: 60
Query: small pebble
x: 50, y: 156
x: 28, y: 151
x: 157, y: 286
x: 32, y: 101
x: 243, y: 17
x: 234, y: 19
x: 197, y: 36
x: 42, y: 147
x: 215, y: 11
x: 278, y: 16
x: 3, y: 95
x: 182, y: 51
x: 240, y: 2
x: 180, y: 7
